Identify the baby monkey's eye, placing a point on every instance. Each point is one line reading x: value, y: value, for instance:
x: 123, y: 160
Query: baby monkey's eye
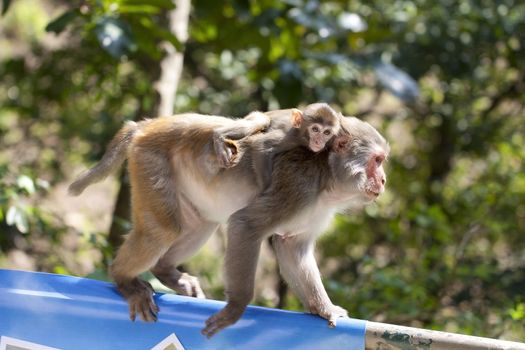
x: 327, y: 132
x: 315, y: 129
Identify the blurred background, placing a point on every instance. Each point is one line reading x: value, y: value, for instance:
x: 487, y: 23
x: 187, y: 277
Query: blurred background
x: 443, y: 80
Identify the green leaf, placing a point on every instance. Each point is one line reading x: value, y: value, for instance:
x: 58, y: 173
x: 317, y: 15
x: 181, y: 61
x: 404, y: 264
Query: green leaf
x: 144, y: 9
x: 518, y: 313
x: 145, y: 38
x: 60, y: 270
x: 147, y: 46
x: 5, y: 6
x: 168, y: 36
x: 59, y: 24
x: 164, y: 4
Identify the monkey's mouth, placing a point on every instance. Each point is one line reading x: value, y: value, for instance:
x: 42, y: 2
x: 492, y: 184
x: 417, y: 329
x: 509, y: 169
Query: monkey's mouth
x: 315, y: 146
x: 372, y: 194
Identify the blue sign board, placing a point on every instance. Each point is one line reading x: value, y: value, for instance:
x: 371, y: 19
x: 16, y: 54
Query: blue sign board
x: 40, y: 311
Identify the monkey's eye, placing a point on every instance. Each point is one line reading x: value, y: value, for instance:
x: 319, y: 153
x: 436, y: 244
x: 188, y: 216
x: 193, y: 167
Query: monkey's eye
x: 327, y: 132
x: 378, y: 160
x: 315, y: 129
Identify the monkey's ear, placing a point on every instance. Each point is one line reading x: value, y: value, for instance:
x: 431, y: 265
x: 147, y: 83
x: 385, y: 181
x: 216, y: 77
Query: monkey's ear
x: 297, y: 118
x: 232, y: 146
x: 341, y: 143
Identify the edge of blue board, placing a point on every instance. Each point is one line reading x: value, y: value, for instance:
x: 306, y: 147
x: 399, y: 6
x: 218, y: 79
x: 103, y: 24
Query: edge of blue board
x: 65, y: 312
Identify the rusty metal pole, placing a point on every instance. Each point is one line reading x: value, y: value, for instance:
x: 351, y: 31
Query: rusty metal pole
x: 382, y: 336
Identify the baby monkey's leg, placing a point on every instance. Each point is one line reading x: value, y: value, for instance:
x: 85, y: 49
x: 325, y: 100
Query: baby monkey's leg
x: 226, y: 148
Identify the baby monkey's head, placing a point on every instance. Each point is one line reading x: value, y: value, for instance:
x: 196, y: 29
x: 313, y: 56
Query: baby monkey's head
x: 318, y: 124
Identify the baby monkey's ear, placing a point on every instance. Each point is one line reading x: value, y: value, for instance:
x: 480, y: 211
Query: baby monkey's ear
x: 341, y: 143
x: 297, y: 118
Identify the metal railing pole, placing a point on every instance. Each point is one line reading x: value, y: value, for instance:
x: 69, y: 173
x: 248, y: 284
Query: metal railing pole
x: 382, y: 336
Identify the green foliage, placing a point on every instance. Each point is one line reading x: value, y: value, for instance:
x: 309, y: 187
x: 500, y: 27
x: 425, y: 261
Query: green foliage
x: 443, y: 80
x: 15, y: 195
x: 5, y: 6
x: 59, y: 24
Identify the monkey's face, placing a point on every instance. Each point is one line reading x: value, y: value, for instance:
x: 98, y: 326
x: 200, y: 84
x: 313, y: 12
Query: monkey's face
x: 318, y: 136
x: 375, y: 174
x: 359, y: 158
x: 363, y: 170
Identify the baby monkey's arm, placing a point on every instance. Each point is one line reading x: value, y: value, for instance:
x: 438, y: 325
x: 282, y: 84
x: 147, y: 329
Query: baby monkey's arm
x: 224, y: 138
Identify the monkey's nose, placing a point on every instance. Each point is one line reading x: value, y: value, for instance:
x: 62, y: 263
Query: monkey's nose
x: 383, y: 181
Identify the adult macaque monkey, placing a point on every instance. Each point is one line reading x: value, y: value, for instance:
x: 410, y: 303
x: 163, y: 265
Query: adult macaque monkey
x: 313, y: 128
x: 180, y: 195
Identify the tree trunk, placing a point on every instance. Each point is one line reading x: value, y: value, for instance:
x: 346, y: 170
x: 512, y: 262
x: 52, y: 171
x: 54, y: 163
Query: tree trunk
x: 171, y: 65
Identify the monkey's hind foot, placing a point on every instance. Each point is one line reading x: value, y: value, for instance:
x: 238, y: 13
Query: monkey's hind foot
x: 224, y: 318
x: 139, y: 295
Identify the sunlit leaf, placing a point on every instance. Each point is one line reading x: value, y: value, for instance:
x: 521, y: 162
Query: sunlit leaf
x: 518, y: 313
x: 352, y: 22
x: 399, y: 83
x: 114, y: 36
x: 16, y: 216
x: 26, y: 183
x: 21, y: 221
x: 145, y: 9
x: 60, y: 270
x: 11, y: 214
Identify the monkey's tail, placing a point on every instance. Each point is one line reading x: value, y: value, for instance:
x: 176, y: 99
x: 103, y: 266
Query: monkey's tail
x: 115, y: 155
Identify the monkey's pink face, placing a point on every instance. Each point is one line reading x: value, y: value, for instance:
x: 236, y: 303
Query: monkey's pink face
x: 375, y: 175
x: 319, y: 135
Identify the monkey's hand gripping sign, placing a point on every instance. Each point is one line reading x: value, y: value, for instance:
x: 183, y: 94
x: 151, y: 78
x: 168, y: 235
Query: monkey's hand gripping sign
x: 184, y: 186
x: 47, y: 312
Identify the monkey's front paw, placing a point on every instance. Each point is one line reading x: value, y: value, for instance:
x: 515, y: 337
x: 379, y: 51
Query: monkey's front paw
x: 227, y: 316
x: 141, y: 302
x: 189, y: 285
x: 335, y: 313
x: 331, y: 313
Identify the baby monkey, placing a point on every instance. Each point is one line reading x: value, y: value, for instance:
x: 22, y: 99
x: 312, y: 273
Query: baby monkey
x: 313, y: 128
